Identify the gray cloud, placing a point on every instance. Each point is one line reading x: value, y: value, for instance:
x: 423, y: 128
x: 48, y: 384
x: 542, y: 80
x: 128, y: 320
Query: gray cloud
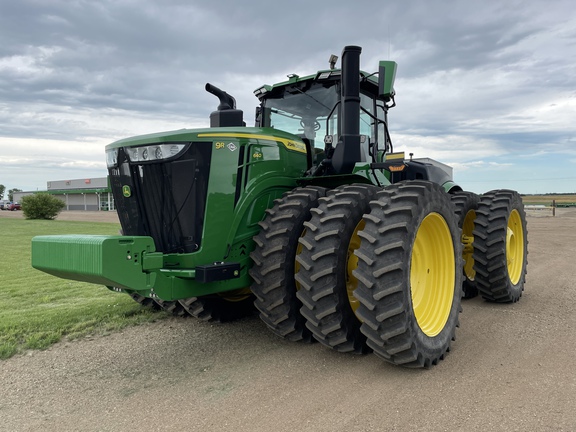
x: 498, y: 72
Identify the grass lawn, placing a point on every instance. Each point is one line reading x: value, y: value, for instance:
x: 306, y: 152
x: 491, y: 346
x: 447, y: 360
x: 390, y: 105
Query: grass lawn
x: 38, y: 310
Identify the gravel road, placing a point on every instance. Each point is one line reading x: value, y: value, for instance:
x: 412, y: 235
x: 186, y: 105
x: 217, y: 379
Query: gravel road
x: 512, y: 368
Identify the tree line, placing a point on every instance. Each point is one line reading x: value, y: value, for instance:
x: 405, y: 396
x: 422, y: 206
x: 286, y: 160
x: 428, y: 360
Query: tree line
x: 10, y: 192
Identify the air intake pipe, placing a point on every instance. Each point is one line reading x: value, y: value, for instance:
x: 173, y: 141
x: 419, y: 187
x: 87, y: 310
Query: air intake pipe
x: 226, y: 115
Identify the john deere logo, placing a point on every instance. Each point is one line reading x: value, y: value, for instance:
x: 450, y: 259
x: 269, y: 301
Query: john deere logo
x: 126, y: 191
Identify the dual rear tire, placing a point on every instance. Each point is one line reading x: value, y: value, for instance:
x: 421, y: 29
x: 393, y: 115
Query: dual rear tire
x: 363, y: 269
x: 466, y: 205
x: 222, y: 307
x: 409, y: 269
x: 495, y: 244
x: 500, y: 246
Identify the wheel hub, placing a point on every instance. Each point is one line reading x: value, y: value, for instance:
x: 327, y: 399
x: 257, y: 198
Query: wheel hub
x: 468, y: 242
x: 432, y: 274
x: 514, y: 247
x: 351, y: 265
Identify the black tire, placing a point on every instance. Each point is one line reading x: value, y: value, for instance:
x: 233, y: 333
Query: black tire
x: 466, y: 205
x: 410, y: 250
x: 172, y: 306
x: 145, y: 301
x: 325, y: 274
x: 274, y: 263
x: 501, y: 246
x: 224, y: 307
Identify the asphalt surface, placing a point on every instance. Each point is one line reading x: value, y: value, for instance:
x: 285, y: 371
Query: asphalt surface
x: 512, y: 368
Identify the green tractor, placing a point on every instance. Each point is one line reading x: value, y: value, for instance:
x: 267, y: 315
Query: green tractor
x: 309, y: 216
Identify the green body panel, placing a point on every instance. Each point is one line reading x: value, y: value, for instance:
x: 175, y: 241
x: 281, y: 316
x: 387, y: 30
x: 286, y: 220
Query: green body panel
x: 271, y: 164
x: 450, y: 185
x: 269, y: 169
x: 106, y: 260
x: 362, y: 173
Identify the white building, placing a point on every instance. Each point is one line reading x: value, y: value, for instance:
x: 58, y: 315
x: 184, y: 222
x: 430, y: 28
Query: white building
x: 91, y: 194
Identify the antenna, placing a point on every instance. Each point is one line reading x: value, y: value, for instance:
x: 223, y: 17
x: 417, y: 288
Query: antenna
x: 389, y: 43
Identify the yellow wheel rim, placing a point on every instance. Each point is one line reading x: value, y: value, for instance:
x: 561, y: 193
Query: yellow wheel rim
x: 515, y: 247
x: 432, y: 274
x: 351, y: 265
x: 468, y: 241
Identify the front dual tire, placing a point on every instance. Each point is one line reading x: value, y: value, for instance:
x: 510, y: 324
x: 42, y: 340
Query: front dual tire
x: 274, y: 263
x: 363, y: 269
x: 410, y: 274
x: 327, y: 263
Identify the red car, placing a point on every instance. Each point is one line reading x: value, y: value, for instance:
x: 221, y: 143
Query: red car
x: 13, y: 206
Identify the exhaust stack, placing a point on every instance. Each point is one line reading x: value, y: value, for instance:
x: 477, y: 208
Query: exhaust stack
x: 347, y: 151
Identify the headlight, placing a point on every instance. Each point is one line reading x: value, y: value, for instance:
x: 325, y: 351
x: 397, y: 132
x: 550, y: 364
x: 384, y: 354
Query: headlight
x: 153, y: 152
x: 112, y: 157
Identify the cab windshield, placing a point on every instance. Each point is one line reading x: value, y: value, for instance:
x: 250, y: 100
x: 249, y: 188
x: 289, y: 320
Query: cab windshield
x: 310, y: 110
x: 302, y: 110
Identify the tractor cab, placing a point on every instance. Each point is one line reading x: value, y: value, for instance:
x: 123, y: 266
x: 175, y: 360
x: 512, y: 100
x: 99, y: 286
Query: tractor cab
x: 317, y: 109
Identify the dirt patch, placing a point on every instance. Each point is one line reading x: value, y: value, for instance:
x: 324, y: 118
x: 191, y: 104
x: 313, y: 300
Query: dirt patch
x: 510, y: 369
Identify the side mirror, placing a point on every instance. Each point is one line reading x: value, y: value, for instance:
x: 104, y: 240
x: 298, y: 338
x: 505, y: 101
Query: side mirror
x: 258, y: 116
x: 263, y: 116
x: 386, y: 77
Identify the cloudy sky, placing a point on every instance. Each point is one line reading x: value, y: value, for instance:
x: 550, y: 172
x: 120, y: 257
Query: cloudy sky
x: 487, y: 87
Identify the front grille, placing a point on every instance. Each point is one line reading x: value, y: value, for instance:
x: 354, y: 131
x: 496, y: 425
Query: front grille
x: 166, y: 199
